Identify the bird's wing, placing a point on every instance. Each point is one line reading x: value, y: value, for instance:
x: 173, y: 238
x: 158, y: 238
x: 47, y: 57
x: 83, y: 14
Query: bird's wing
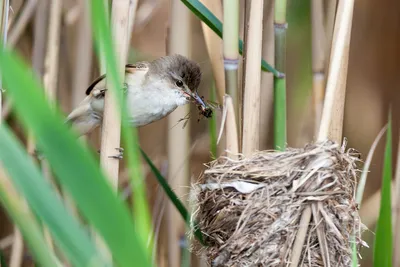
x: 99, y: 84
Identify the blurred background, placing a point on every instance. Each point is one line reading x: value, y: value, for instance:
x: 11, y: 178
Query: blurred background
x: 372, y: 87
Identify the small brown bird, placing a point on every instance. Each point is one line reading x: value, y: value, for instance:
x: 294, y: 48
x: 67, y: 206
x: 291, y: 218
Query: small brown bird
x: 153, y: 90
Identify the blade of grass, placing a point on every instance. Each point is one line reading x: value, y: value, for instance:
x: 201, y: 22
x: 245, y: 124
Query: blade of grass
x: 74, y: 166
x: 205, y: 15
x: 172, y: 196
x: 103, y: 41
x: 383, y: 239
x: 71, y: 237
x: 27, y: 224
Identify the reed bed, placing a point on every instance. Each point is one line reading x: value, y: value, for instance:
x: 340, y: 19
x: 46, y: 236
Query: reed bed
x: 254, y: 201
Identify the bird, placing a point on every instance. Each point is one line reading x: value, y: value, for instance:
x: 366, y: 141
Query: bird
x: 153, y: 90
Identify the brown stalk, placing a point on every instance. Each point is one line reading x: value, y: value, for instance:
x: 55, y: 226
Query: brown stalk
x: 215, y: 48
x: 251, y: 109
x: 232, y: 145
x: 82, y: 71
x: 111, y: 125
x: 50, y: 79
x: 267, y: 79
x: 178, y: 41
x: 318, y: 59
x: 329, y: 27
x: 132, y: 18
x: 20, y: 25
x: 331, y: 126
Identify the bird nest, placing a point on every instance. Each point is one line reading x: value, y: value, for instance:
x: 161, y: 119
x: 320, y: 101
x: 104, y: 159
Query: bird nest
x: 249, y: 210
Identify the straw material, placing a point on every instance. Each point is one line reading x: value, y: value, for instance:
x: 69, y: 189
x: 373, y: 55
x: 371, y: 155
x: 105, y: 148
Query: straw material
x: 249, y: 209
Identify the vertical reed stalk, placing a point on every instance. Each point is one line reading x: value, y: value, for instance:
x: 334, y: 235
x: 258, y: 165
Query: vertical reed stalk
x: 251, y: 109
x: 331, y: 126
x: 23, y: 20
x: 214, y: 48
x: 4, y: 9
x: 132, y: 17
x: 267, y: 79
x: 318, y: 59
x: 111, y: 125
x: 280, y: 27
x: 232, y: 145
x: 329, y: 27
x: 178, y: 41
x: 83, y: 68
x: 50, y: 78
x: 231, y: 53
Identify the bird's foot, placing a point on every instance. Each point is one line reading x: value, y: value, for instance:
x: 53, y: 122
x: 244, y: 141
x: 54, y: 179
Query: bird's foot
x: 125, y: 88
x: 120, y: 154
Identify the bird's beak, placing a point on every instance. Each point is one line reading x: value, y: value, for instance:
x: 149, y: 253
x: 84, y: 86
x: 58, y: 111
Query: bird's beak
x: 199, y: 100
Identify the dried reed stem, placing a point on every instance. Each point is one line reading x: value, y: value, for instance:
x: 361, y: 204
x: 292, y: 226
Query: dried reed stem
x: 17, y: 249
x: 111, y: 125
x: 280, y: 27
x: 4, y: 10
x: 267, y: 79
x: 178, y: 41
x: 318, y: 59
x: 332, y: 117
x: 329, y: 27
x: 132, y: 18
x: 82, y: 73
x: 51, y: 66
x: 215, y: 48
x: 231, y: 53
x: 20, y: 25
x: 251, y: 109
x: 232, y: 145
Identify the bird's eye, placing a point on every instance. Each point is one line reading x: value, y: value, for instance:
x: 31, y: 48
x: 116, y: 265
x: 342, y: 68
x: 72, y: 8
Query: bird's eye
x: 179, y: 83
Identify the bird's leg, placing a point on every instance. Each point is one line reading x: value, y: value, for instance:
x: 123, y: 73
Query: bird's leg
x: 119, y: 155
x: 125, y: 88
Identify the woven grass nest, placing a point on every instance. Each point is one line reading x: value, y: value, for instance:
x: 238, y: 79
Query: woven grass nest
x: 249, y: 210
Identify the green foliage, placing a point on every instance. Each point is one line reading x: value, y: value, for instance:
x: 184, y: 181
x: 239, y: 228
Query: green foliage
x: 74, y: 166
x: 383, y: 246
x: 68, y: 233
x: 205, y: 15
x: 103, y: 41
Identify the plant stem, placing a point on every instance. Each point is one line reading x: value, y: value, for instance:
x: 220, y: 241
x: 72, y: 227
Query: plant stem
x: 280, y: 27
x: 251, y: 109
x: 318, y: 59
x: 179, y: 41
x: 231, y: 53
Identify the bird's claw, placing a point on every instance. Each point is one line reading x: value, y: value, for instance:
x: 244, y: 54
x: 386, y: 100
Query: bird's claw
x: 125, y: 88
x: 120, y: 154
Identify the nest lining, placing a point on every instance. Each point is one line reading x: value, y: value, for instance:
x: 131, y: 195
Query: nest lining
x: 249, y: 210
